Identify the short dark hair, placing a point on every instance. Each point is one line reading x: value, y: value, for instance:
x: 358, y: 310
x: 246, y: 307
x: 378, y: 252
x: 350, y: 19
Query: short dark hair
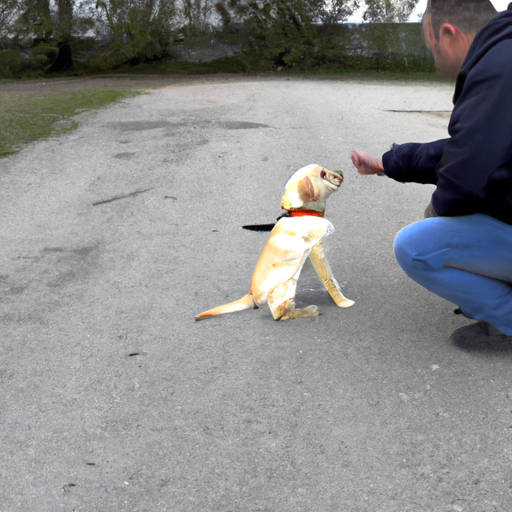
x: 467, y: 16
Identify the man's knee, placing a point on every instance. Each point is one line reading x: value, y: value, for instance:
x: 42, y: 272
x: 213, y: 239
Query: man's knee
x: 403, y: 248
x: 416, y: 246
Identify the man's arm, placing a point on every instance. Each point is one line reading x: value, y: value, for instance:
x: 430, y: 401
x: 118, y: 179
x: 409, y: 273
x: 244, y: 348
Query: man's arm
x: 414, y: 162
x: 405, y: 162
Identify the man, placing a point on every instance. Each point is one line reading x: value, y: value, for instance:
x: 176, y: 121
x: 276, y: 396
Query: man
x: 462, y: 251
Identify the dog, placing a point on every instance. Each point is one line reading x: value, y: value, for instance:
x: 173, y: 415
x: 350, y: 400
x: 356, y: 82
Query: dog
x: 297, y: 235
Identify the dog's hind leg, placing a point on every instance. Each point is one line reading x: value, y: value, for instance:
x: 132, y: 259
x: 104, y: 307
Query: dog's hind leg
x: 321, y: 265
x: 286, y: 311
x: 284, y: 308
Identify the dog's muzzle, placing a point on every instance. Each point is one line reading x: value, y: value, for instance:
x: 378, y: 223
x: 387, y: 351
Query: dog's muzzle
x: 333, y: 178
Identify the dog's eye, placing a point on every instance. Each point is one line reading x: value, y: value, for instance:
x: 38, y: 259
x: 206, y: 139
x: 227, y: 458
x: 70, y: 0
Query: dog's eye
x: 322, y: 174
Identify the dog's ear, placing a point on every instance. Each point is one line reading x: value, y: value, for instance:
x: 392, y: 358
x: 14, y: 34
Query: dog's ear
x: 307, y: 190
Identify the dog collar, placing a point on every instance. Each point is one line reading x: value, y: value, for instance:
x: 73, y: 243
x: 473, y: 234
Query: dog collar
x: 305, y: 213
x: 299, y: 213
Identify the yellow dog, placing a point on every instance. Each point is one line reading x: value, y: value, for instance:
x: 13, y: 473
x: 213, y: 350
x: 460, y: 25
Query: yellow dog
x: 296, y: 236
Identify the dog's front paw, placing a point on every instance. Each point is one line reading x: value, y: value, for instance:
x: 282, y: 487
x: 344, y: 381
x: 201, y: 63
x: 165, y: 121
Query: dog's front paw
x: 345, y: 303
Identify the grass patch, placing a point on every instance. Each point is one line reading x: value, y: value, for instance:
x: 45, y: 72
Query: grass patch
x: 28, y: 117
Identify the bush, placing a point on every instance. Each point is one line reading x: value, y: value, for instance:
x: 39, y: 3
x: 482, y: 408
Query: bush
x: 38, y: 61
x: 279, y: 35
x: 11, y: 64
x: 14, y: 65
x: 48, y: 50
x: 101, y: 62
x: 140, y: 31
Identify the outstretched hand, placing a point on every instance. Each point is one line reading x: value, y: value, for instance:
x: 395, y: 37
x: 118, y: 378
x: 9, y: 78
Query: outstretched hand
x: 366, y: 164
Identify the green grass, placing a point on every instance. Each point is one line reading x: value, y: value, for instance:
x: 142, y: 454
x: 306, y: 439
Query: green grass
x: 25, y: 118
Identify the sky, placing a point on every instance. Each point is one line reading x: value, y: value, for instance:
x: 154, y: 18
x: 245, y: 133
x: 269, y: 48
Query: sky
x: 357, y: 17
x: 500, y: 5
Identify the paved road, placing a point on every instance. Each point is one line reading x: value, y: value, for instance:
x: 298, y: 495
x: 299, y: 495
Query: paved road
x: 114, y: 399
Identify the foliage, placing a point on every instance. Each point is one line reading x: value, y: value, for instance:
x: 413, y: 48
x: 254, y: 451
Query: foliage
x: 283, y: 34
x: 106, y: 35
x: 330, y: 11
x: 393, y: 39
x: 8, y: 14
x: 197, y: 15
x: 35, y: 20
x: 231, y: 64
x: 11, y: 64
x: 64, y: 19
x: 319, y: 11
x: 14, y: 65
x: 378, y: 46
x: 279, y: 34
x: 388, y: 11
x: 139, y: 29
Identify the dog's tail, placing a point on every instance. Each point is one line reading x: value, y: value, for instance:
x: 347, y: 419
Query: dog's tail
x: 246, y: 302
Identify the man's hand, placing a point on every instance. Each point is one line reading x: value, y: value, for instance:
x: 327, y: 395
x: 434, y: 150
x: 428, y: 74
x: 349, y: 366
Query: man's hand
x: 366, y: 164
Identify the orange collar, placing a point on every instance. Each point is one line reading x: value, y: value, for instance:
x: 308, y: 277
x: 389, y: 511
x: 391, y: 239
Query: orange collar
x: 304, y: 213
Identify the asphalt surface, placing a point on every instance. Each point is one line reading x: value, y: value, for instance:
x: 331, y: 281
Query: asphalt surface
x: 114, y: 399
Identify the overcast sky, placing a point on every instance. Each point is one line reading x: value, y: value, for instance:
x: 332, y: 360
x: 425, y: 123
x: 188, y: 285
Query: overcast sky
x: 357, y: 17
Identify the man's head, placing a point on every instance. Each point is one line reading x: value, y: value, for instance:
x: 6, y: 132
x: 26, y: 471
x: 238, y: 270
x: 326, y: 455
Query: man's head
x: 450, y: 27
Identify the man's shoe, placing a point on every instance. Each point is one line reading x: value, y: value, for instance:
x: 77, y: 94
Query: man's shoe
x: 481, y: 336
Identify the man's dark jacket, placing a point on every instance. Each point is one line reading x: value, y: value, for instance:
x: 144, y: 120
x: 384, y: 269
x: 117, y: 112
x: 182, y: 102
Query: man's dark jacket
x: 473, y: 168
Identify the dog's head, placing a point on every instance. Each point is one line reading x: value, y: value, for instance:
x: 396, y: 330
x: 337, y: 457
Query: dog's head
x: 309, y: 187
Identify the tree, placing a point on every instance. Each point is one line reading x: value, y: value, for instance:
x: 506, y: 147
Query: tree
x: 8, y: 13
x: 388, y: 11
x: 35, y: 20
x: 197, y: 14
x: 278, y: 34
x: 319, y: 11
x: 139, y: 29
x: 284, y: 33
x: 330, y: 11
x: 64, y: 24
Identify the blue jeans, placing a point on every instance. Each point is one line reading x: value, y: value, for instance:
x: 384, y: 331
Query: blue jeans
x: 466, y: 260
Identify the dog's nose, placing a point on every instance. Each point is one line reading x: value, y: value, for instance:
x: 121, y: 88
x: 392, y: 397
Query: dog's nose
x: 340, y: 173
